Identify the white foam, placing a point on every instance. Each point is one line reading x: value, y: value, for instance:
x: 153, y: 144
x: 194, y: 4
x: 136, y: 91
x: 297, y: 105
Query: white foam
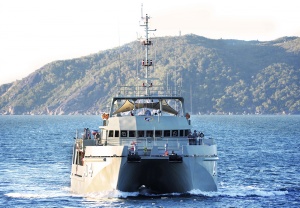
x: 110, y: 194
x: 240, y: 191
x: 237, y: 191
x: 39, y: 194
x: 33, y: 195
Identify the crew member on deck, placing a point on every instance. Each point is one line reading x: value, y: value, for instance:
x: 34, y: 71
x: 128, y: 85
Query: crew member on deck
x: 195, y: 134
x: 147, y: 113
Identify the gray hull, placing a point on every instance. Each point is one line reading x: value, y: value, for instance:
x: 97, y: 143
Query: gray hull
x: 156, y: 174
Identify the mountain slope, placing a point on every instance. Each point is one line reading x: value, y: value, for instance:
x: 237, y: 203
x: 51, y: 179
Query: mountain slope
x: 215, y: 75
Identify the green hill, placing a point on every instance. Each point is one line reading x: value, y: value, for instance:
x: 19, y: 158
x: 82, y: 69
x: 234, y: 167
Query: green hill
x: 216, y: 76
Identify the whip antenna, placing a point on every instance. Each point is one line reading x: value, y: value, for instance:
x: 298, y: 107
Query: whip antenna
x: 142, y: 15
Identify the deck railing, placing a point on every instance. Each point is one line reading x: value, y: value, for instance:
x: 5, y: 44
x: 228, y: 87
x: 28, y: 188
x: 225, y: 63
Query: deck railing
x: 141, y: 91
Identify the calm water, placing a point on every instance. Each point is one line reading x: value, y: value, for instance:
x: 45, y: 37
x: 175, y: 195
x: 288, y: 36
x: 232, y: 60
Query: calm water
x: 258, y: 166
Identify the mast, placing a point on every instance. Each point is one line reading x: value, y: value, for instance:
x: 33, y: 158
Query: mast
x: 146, y: 63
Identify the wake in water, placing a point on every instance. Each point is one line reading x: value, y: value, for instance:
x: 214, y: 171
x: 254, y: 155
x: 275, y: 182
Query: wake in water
x: 240, y: 192
x: 41, y: 194
x: 223, y: 191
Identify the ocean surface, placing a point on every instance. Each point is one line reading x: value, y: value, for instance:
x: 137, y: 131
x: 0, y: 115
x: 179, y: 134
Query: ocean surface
x: 259, y: 164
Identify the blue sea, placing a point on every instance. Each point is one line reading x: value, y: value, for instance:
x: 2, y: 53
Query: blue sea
x: 259, y: 164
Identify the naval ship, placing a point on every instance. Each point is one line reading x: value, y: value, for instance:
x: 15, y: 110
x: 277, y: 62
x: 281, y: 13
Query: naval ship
x: 145, y: 143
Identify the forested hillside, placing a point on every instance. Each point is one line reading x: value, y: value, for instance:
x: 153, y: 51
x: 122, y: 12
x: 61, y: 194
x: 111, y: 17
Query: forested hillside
x: 216, y: 76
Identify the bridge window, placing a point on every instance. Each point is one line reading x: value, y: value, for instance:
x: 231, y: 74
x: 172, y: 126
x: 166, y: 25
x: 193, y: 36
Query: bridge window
x: 158, y: 133
x: 117, y: 133
x: 131, y: 133
x: 175, y: 133
x: 123, y: 133
x: 111, y: 133
x: 166, y: 133
x: 181, y: 133
x: 141, y: 133
x: 149, y: 133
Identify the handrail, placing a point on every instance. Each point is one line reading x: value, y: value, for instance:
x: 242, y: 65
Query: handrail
x: 139, y: 91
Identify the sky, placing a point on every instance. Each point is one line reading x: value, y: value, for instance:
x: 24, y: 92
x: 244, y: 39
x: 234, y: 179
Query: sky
x: 36, y: 32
